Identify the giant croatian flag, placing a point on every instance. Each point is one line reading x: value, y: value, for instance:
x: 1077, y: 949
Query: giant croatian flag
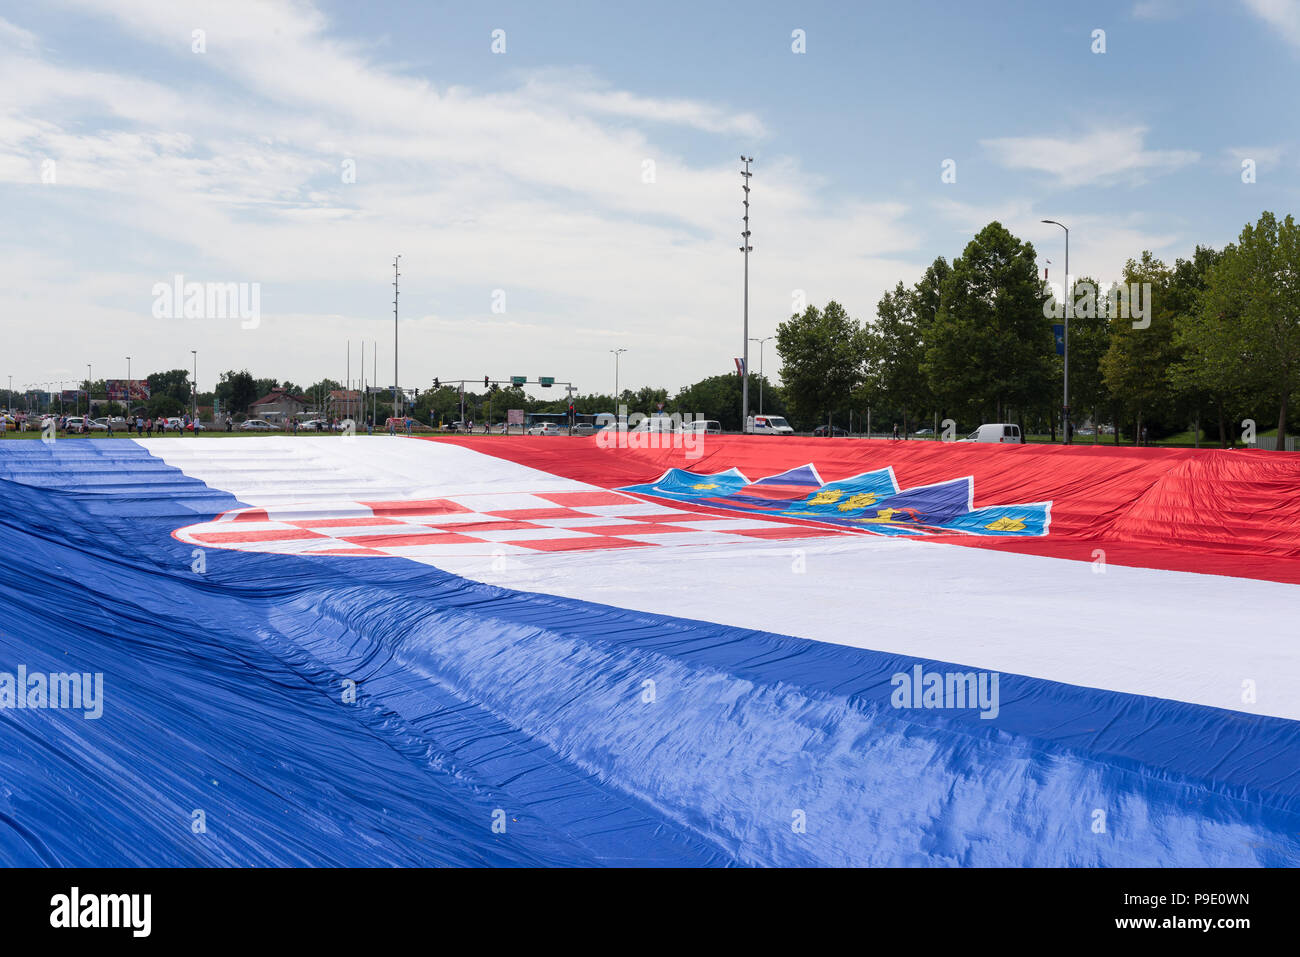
x: 540, y: 651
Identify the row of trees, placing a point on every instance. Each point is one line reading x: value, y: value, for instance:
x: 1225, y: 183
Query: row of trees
x: 1210, y: 339
x: 1213, y: 339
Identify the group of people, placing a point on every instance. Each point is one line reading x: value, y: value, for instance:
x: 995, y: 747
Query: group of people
x: 138, y: 424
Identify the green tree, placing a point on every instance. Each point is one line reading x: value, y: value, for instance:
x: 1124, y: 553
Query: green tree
x: 175, y: 384
x: 237, y: 390
x: 1142, y: 351
x: 823, y: 354
x: 990, y: 345
x: 896, y: 344
x: 718, y: 397
x: 1247, y: 329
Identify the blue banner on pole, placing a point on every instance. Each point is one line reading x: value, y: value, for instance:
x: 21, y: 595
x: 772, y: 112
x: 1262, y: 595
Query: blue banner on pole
x: 1058, y: 330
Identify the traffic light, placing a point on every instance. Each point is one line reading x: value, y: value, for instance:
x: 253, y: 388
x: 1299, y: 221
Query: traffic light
x: 485, y: 382
x: 435, y: 382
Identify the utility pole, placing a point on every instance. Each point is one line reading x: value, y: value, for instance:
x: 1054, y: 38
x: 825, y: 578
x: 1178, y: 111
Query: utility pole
x: 746, y: 249
x: 395, y: 275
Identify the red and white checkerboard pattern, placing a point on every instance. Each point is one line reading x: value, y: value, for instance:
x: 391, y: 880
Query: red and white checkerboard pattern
x: 481, y: 523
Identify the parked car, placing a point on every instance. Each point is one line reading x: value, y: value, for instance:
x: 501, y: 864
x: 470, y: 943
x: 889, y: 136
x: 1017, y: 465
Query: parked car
x: 1002, y: 432
x: 584, y: 428
x: 835, y: 432
x: 656, y: 423
x: 768, y: 425
x: 547, y: 428
x: 924, y: 433
x: 256, y: 425
x: 708, y: 426
x: 74, y: 425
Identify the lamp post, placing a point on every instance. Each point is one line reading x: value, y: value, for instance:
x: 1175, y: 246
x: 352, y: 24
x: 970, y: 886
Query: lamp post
x: 127, y: 397
x: 760, y: 371
x: 396, y: 274
x: 194, y: 390
x: 616, y: 353
x: 1069, y: 307
x: 746, y: 249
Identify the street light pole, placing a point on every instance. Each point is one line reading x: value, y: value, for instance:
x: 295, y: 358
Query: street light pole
x: 396, y: 274
x: 746, y: 249
x: 1069, y: 307
x: 194, y: 389
x: 760, y: 371
x: 617, y: 353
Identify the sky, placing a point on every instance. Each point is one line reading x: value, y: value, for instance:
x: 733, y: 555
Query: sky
x: 563, y: 179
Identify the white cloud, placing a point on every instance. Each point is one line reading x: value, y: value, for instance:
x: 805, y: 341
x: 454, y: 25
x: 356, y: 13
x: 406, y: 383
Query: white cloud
x: 1097, y: 158
x: 1282, y: 15
x: 235, y: 176
x: 1099, y: 244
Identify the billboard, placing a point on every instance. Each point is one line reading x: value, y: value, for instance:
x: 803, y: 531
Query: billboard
x: 134, y: 390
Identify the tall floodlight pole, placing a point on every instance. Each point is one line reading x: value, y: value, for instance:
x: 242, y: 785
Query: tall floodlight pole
x: 1069, y: 307
x: 127, y: 397
x: 746, y: 249
x: 616, y: 353
x: 194, y: 388
x: 760, y: 370
x: 395, y: 275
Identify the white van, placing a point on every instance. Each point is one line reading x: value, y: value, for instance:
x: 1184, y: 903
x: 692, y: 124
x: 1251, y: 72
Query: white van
x: 1007, y: 432
x: 768, y: 425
